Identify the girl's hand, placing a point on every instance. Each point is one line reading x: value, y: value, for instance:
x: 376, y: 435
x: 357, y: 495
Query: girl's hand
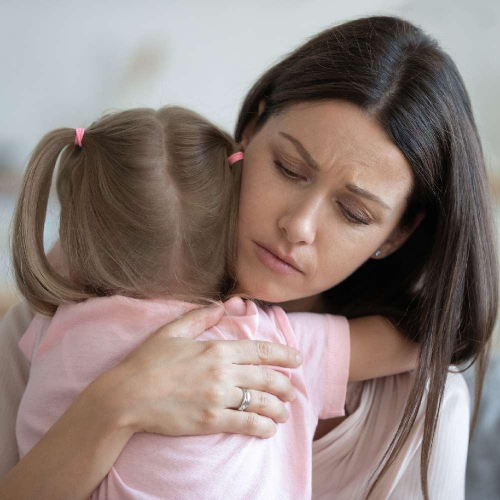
x: 178, y: 386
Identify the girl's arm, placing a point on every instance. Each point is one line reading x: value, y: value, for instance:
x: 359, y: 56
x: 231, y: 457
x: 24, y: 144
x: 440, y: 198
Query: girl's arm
x: 168, y: 385
x: 378, y: 349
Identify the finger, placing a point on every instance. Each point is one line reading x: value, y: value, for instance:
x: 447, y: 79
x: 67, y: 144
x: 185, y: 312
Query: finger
x: 264, y: 379
x: 244, y: 422
x: 256, y: 352
x: 262, y: 403
x: 194, y: 322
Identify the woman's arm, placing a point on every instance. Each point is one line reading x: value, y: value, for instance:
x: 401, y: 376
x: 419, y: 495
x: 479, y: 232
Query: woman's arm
x: 14, y: 370
x: 171, y: 386
x: 378, y: 349
x: 449, y: 448
x: 77, y: 452
x: 451, y: 443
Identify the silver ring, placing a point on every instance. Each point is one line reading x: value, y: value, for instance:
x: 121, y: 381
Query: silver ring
x: 245, y: 402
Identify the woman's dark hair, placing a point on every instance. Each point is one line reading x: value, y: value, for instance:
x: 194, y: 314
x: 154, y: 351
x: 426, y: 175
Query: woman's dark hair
x: 441, y: 287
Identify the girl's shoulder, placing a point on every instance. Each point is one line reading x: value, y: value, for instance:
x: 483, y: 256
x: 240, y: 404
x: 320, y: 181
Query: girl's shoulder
x: 98, y: 323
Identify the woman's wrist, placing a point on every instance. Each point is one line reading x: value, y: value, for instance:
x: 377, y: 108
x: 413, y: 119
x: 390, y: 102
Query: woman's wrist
x: 111, y: 395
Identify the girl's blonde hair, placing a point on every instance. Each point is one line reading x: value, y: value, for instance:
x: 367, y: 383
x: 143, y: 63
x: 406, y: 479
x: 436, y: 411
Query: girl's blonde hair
x: 148, y: 208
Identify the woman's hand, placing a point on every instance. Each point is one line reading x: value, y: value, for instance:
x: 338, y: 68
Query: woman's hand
x: 177, y: 386
x: 169, y: 385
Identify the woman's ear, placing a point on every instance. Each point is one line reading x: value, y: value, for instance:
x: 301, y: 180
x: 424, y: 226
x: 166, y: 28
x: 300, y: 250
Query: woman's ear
x: 398, y: 238
x: 249, y: 129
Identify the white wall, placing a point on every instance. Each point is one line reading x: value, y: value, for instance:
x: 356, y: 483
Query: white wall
x: 64, y: 63
x: 67, y: 63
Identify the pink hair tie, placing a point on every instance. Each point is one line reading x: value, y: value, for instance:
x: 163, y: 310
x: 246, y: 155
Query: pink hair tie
x: 235, y: 157
x: 79, y: 136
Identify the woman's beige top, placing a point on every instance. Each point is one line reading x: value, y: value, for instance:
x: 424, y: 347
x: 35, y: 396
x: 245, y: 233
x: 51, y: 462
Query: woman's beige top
x: 342, y: 459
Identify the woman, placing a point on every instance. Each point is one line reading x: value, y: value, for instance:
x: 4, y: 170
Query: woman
x: 363, y: 165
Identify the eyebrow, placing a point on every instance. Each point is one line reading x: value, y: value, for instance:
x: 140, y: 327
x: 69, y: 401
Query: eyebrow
x: 314, y: 165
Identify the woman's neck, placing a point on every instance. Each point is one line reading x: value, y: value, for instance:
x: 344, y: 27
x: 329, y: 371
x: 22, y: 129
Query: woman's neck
x: 315, y: 304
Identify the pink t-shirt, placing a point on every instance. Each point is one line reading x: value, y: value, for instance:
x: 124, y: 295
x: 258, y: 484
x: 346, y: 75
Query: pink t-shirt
x: 83, y: 340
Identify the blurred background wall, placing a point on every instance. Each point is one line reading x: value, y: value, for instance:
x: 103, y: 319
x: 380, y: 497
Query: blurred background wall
x: 64, y: 63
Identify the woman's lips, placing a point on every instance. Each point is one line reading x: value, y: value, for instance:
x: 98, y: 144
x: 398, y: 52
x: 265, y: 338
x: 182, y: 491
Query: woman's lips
x: 273, y: 262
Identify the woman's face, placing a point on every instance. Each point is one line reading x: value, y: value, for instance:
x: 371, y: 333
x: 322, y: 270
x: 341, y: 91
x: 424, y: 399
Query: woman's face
x: 323, y: 188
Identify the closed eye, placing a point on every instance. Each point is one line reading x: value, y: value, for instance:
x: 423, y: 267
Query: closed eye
x: 352, y: 218
x: 287, y: 173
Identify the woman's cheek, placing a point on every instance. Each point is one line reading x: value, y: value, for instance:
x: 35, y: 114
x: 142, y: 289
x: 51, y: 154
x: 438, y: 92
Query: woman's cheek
x: 260, y: 195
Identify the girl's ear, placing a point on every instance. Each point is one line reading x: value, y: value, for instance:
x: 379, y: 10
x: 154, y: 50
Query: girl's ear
x: 249, y: 129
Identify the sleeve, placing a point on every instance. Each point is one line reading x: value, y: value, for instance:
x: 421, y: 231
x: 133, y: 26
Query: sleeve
x: 449, y: 450
x: 324, y: 342
x: 14, y: 370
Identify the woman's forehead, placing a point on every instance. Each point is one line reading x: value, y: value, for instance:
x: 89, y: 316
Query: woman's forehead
x: 335, y: 125
x: 339, y: 136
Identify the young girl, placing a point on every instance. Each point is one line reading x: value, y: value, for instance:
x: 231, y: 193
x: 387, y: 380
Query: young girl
x: 148, y: 209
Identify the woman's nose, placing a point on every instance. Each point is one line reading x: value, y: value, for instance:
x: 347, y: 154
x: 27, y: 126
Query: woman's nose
x: 299, y: 225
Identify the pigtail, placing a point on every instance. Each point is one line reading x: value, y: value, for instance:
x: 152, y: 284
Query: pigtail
x: 38, y: 282
x: 146, y: 210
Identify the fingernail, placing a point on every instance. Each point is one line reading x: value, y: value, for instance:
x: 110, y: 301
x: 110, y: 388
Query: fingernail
x: 298, y: 358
